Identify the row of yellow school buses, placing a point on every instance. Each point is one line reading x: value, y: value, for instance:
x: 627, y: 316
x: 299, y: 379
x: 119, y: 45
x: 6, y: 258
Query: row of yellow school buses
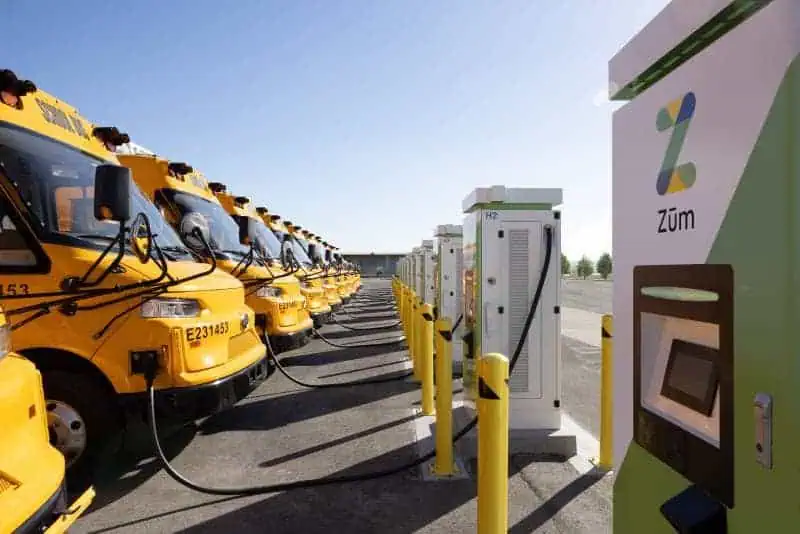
x: 121, y: 270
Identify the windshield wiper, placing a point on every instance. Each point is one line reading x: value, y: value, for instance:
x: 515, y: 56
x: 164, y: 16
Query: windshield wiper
x: 231, y: 251
x: 95, y: 236
x: 176, y: 248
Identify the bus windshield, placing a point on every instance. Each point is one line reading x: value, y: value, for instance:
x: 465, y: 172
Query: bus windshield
x: 56, y: 182
x: 298, y: 251
x: 272, y: 247
x: 223, y: 230
x: 300, y: 245
x: 315, y: 252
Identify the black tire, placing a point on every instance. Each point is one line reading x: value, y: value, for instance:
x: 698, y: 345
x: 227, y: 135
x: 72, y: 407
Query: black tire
x: 99, y: 412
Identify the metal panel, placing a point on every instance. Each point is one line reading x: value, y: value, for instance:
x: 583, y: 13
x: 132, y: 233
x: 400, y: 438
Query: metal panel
x: 518, y: 304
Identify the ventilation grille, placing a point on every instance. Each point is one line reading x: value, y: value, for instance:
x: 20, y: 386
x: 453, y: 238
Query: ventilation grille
x: 519, y: 302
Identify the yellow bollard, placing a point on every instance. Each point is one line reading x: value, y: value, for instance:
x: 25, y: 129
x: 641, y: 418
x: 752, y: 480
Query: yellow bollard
x: 443, y: 465
x: 414, y: 322
x: 410, y: 320
x: 401, y: 301
x: 606, y: 391
x: 426, y: 358
x: 493, y: 397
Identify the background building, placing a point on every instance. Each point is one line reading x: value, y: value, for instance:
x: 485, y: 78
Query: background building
x: 375, y: 264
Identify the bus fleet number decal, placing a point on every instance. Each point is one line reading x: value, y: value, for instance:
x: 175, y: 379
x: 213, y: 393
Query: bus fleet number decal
x: 14, y: 289
x: 198, y: 333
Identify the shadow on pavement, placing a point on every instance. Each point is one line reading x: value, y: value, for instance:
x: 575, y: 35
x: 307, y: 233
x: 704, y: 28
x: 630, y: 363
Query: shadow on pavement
x: 338, y: 355
x: 366, y: 368
x: 556, y: 503
x: 135, y: 463
x: 398, y: 503
x: 344, y: 333
x: 358, y: 318
x: 275, y: 412
x: 333, y: 443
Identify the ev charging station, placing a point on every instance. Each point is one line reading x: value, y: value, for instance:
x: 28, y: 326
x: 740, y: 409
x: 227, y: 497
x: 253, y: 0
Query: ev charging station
x: 504, y: 240
x: 416, y: 269
x: 449, y: 297
x: 427, y: 273
x: 706, y: 292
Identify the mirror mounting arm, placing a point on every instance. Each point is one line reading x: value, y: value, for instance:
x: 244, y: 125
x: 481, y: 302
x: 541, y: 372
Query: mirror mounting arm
x: 74, y: 283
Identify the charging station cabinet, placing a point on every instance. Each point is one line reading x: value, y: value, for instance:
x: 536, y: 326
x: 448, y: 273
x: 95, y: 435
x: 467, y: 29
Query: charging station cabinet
x: 416, y: 271
x: 706, y: 292
x: 449, y: 297
x: 428, y: 271
x: 503, y: 254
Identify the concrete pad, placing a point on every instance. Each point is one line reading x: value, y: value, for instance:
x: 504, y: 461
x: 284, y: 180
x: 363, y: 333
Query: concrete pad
x: 585, y: 326
x: 556, y: 443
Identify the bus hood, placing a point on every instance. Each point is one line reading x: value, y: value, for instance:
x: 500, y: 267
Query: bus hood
x: 217, y: 280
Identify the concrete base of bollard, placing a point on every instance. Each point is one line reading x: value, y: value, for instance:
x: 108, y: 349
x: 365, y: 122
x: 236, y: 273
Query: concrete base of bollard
x: 424, y: 429
x: 521, y: 441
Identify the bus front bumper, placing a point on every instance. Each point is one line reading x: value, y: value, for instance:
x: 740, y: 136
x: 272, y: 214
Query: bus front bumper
x: 196, y: 402
x: 285, y: 342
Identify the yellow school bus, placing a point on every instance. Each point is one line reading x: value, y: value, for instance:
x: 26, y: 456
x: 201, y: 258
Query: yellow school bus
x: 186, y: 198
x: 335, y: 273
x: 312, y: 272
x: 351, y: 275
x: 253, y: 229
x: 294, y: 250
x: 33, y: 496
x: 100, y: 291
x: 344, y: 280
x: 318, y: 248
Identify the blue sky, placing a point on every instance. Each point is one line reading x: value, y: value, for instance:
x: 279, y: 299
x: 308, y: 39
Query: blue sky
x: 366, y: 121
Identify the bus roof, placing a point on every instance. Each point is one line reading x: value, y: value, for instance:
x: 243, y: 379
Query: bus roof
x: 45, y: 114
x: 192, y: 182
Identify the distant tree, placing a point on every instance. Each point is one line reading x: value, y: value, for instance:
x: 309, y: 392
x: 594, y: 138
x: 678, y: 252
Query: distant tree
x: 585, y: 267
x: 565, y: 264
x: 604, y: 265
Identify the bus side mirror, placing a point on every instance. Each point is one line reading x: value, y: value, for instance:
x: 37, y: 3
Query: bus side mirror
x: 247, y: 229
x: 112, y: 193
x: 248, y: 233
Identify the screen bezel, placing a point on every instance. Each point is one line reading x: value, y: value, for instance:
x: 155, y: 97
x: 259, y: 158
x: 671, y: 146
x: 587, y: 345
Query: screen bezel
x: 704, y: 406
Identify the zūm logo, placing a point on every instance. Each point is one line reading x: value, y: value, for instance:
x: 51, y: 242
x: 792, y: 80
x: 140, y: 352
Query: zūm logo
x: 675, y: 117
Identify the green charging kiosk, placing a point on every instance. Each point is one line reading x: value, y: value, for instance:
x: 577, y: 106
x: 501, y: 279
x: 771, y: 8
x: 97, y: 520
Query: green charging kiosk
x: 706, y: 233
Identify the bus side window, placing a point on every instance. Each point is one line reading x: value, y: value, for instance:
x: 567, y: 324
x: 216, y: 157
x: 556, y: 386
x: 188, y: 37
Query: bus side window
x: 167, y: 210
x: 14, y: 250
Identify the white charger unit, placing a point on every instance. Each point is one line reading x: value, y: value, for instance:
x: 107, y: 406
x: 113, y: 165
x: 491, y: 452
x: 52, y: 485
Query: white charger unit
x: 416, y: 270
x: 504, y: 240
x: 449, y: 291
x: 428, y: 272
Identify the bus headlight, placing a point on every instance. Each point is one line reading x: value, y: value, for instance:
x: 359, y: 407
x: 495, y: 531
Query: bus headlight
x: 170, y: 308
x: 264, y: 292
x: 5, y: 339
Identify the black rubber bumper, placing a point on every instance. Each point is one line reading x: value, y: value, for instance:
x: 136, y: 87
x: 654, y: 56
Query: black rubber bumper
x: 345, y: 300
x: 285, y: 342
x: 321, y: 319
x: 336, y: 307
x: 188, y: 404
x: 46, y: 514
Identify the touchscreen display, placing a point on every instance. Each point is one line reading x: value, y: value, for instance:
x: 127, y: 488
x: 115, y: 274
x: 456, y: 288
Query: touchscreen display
x: 691, y: 378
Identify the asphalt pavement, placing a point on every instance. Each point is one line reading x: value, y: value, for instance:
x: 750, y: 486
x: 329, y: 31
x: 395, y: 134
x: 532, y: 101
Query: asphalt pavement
x: 591, y: 295
x: 284, y: 432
